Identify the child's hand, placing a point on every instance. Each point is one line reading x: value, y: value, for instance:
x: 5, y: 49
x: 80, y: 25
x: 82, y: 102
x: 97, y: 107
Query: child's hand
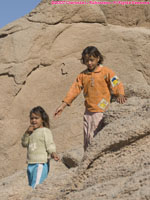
x: 121, y: 99
x: 55, y: 156
x: 60, y: 109
x: 30, y: 129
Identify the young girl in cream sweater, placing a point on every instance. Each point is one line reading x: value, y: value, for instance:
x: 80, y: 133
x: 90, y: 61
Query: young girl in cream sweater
x: 40, y: 146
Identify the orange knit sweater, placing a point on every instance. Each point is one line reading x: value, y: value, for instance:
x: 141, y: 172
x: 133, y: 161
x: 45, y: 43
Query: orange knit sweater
x: 96, y: 87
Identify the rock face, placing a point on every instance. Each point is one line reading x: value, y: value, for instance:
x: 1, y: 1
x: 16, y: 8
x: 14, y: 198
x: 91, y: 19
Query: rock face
x: 116, y: 165
x: 39, y: 59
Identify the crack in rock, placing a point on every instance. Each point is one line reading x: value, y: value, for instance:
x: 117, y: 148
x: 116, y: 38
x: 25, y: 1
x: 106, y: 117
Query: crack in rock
x: 3, y: 35
x: 29, y: 74
x: 40, y: 22
x: 6, y: 32
x: 117, y: 146
x: 59, y: 35
x: 9, y: 75
x: 35, y: 68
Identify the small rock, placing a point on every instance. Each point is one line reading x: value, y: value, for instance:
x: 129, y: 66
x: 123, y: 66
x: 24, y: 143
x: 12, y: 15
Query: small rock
x: 72, y: 158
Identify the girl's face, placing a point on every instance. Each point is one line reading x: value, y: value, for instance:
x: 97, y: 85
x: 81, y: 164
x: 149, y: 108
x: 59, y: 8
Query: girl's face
x: 91, y: 62
x: 36, y: 121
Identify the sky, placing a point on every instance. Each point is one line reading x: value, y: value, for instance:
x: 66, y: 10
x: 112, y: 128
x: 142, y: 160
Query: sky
x: 10, y: 10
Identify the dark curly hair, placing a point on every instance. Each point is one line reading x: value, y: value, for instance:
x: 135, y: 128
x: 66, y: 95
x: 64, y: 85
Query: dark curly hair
x: 40, y: 111
x: 91, y: 51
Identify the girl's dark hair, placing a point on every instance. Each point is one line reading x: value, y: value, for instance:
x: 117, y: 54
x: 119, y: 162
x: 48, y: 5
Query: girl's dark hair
x: 40, y: 111
x: 91, y: 51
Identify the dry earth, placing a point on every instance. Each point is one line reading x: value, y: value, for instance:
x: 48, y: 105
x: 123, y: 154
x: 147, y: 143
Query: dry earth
x: 39, y: 59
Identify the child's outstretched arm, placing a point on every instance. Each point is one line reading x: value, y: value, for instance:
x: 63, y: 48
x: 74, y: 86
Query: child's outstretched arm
x: 73, y: 92
x: 60, y: 109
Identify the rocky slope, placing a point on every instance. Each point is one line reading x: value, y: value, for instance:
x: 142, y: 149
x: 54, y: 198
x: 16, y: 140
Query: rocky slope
x: 39, y: 59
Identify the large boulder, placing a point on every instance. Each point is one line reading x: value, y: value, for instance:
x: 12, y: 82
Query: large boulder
x: 40, y: 58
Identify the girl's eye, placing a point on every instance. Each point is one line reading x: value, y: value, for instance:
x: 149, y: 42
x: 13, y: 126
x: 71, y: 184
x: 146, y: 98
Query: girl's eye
x: 32, y: 118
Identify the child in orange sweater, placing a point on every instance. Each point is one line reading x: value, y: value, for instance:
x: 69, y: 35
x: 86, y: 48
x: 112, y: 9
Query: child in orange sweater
x: 96, y: 82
